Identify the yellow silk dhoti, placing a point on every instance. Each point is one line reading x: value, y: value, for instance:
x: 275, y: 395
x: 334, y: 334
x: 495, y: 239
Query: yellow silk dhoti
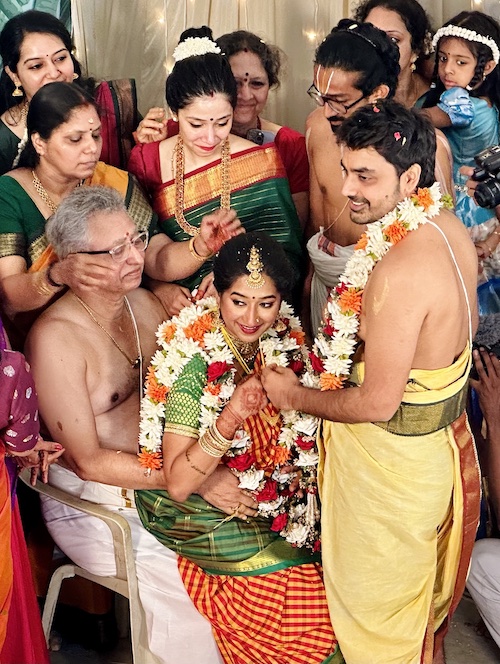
x: 399, y: 513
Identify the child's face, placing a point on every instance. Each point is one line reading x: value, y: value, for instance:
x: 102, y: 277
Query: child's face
x: 456, y: 63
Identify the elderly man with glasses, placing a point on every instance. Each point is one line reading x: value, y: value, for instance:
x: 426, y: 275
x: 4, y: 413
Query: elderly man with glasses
x: 89, y: 352
x: 357, y: 64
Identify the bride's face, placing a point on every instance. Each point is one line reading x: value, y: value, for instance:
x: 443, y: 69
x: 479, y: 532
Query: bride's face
x: 205, y: 123
x: 248, y: 312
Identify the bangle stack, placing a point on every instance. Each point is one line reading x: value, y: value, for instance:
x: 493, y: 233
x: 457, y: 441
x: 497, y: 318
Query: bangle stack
x: 213, y: 443
x: 195, y: 254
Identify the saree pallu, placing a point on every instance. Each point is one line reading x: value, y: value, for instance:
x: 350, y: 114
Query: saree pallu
x: 259, y: 193
x: 117, y: 102
x: 399, y: 517
x: 5, y: 552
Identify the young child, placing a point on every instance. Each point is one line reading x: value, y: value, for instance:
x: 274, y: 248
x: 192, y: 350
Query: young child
x: 464, y: 104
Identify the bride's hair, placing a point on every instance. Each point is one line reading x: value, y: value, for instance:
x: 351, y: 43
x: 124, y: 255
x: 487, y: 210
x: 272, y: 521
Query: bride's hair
x: 231, y: 262
x: 199, y: 75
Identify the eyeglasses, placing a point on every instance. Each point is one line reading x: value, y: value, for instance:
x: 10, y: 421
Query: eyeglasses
x: 335, y: 106
x: 121, y: 252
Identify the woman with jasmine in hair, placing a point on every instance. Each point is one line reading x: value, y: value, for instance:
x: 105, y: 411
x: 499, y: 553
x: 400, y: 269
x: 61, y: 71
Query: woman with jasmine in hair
x: 255, y: 573
x: 205, y: 168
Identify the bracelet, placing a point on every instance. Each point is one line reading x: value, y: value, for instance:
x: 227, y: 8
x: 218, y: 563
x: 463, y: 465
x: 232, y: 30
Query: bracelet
x: 209, y: 446
x: 51, y: 281
x: 195, y: 254
x: 42, y: 285
x: 198, y: 470
x: 213, y: 443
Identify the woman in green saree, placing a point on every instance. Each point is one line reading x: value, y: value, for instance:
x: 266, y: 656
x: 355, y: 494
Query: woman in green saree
x: 255, y: 574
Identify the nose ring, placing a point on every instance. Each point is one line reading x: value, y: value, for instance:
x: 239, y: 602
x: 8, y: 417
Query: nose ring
x: 257, y: 320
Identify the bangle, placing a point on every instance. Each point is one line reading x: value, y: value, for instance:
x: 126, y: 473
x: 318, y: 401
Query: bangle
x: 195, y: 254
x: 42, y: 285
x: 51, y: 281
x: 213, y: 443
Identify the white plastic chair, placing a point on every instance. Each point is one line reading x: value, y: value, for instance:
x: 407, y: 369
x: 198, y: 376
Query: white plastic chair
x: 125, y: 580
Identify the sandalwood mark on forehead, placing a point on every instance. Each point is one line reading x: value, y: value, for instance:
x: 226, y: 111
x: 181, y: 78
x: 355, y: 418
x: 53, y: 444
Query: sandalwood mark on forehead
x: 378, y: 302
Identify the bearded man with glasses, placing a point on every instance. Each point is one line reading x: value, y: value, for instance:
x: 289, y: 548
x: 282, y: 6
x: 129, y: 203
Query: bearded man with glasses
x: 357, y: 64
x: 89, y: 353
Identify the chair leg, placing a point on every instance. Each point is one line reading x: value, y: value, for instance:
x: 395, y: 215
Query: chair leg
x: 63, y: 572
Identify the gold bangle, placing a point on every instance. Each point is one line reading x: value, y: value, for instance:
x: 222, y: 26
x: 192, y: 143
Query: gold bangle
x: 41, y: 284
x: 227, y: 442
x: 213, y: 444
x: 195, y: 254
x: 209, y: 446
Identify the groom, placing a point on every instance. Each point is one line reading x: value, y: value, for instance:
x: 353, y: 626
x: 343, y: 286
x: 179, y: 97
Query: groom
x: 396, y: 444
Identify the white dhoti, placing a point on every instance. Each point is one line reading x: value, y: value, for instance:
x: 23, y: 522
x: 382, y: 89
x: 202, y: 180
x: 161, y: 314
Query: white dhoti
x: 176, y: 631
x: 483, y: 583
x: 327, y: 271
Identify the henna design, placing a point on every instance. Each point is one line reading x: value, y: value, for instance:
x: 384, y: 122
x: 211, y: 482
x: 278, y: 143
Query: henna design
x: 228, y: 422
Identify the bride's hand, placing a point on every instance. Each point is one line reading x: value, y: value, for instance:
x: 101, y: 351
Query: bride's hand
x: 249, y: 397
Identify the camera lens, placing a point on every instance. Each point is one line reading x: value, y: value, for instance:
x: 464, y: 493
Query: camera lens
x: 487, y: 194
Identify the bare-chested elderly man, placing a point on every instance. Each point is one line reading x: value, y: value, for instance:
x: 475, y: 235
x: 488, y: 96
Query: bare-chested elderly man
x: 88, y: 353
x: 355, y: 65
x: 399, y: 482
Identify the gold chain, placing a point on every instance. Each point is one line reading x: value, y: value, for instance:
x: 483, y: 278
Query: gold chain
x: 42, y: 192
x: 133, y: 363
x: 178, y: 158
x: 246, y: 352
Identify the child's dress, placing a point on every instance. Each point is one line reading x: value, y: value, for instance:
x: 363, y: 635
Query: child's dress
x: 474, y: 128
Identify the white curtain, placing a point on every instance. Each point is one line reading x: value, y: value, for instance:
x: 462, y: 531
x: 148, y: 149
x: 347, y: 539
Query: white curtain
x: 135, y: 39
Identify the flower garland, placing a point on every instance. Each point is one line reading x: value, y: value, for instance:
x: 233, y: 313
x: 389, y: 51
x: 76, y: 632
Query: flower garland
x: 289, y: 498
x: 337, y: 339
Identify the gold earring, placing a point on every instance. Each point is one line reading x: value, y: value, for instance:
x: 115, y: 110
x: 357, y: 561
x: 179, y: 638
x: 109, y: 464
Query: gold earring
x: 17, y: 92
x: 413, y: 66
x: 75, y: 76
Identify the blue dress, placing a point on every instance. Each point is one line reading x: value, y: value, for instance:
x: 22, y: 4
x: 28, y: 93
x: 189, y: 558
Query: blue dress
x: 474, y: 128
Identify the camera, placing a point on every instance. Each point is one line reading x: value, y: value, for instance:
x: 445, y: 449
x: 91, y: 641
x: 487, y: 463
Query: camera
x: 487, y: 174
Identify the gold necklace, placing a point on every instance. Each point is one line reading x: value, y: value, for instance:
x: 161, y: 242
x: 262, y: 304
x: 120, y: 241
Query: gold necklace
x: 243, y: 351
x: 138, y: 360
x: 42, y: 192
x: 23, y: 114
x: 179, y: 160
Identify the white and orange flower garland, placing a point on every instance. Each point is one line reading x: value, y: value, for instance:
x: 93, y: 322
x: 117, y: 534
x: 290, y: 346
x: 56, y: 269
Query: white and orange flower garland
x: 193, y: 332
x: 337, y: 338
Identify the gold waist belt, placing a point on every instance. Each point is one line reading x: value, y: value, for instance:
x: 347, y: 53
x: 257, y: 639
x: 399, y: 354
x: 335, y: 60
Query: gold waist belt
x: 421, y: 419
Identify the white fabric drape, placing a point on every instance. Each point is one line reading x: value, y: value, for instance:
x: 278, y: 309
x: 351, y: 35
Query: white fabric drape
x: 135, y: 39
